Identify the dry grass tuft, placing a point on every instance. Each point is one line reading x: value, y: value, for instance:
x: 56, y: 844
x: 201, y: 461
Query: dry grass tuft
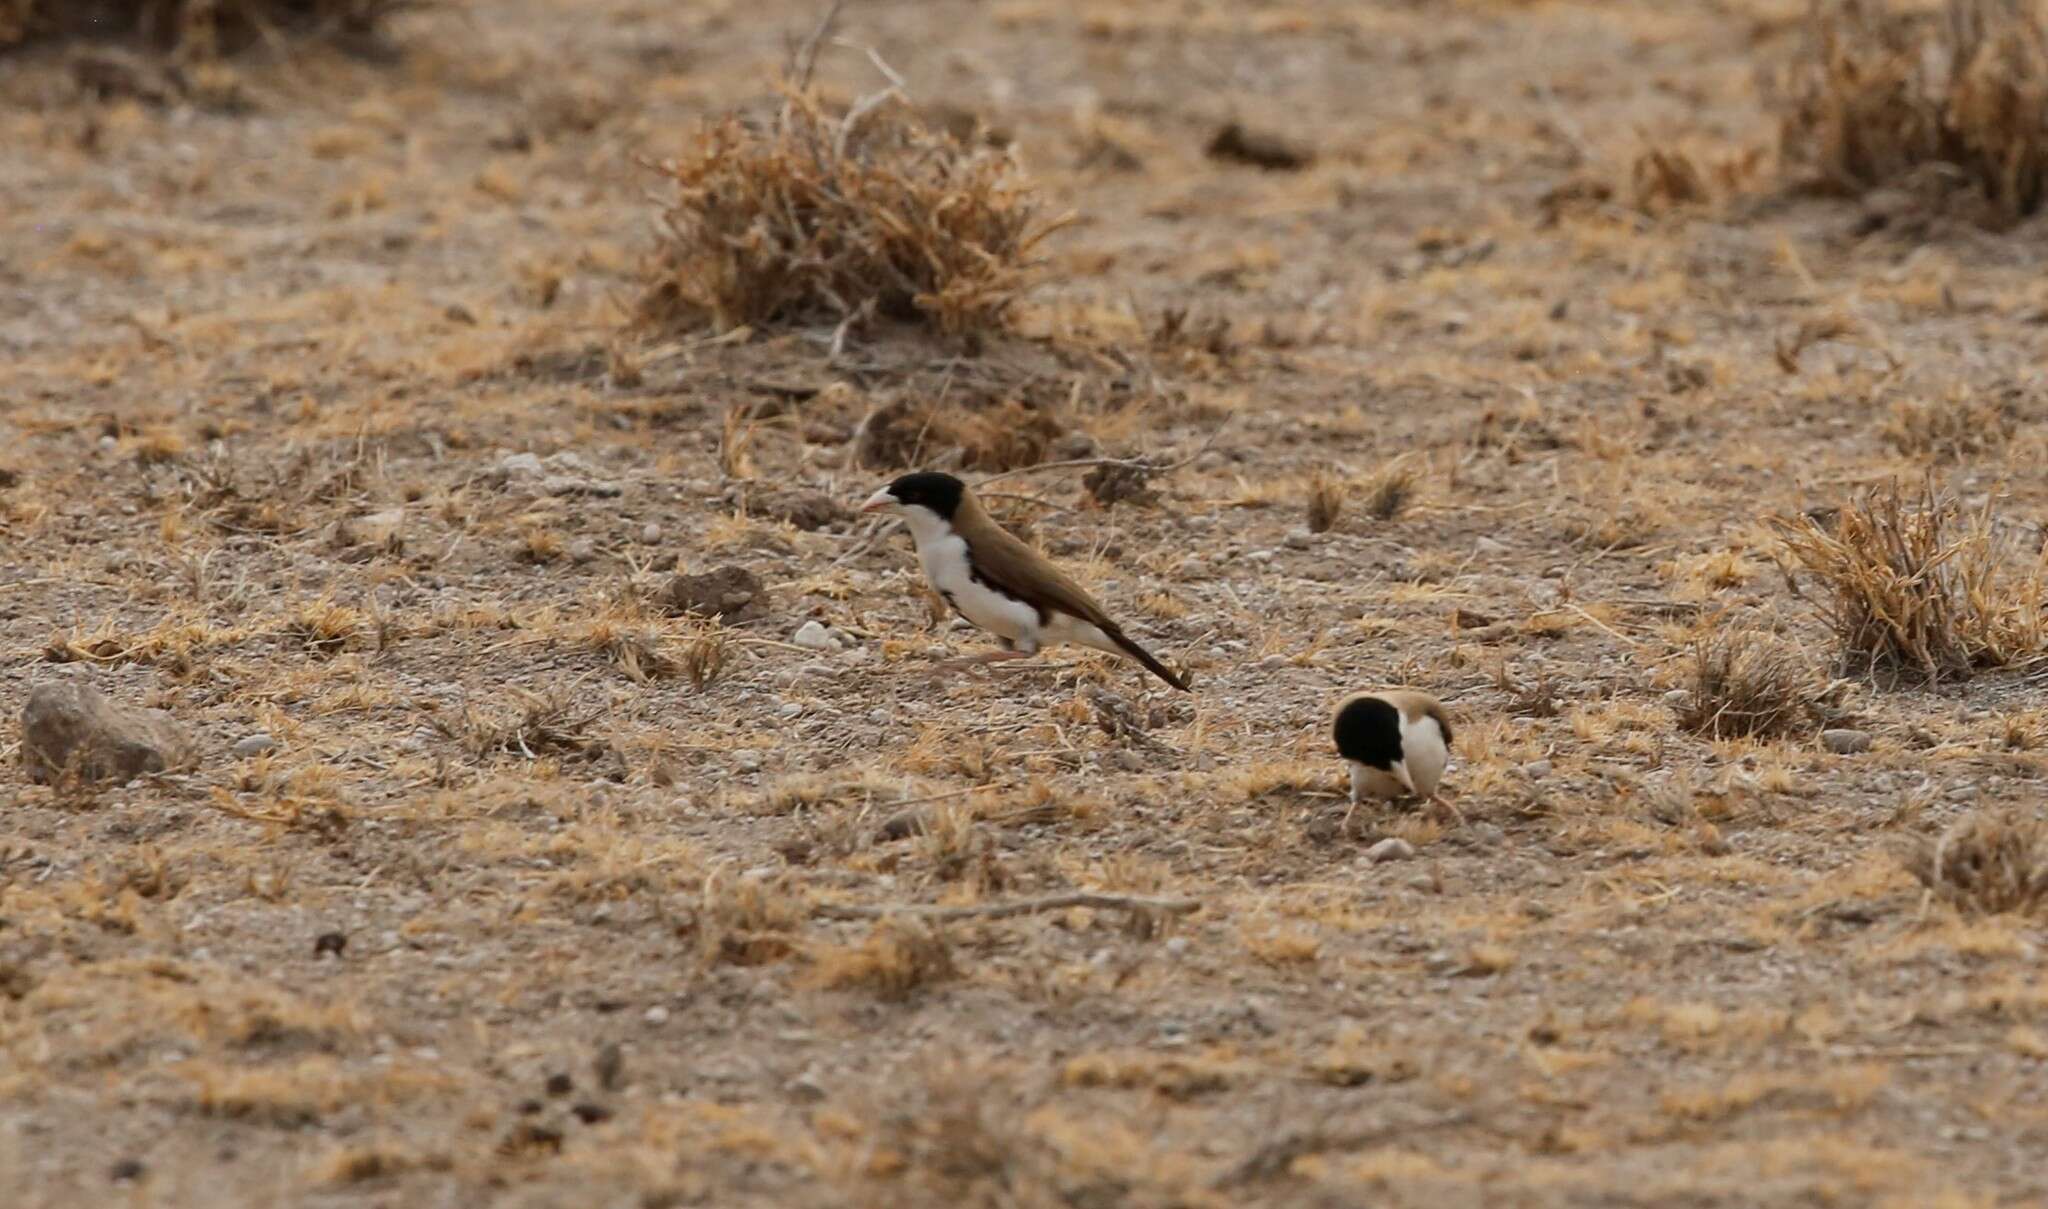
x: 1988, y: 864
x: 898, y: 958
x: 1950, y: 428
x: 1913, y: 595
x: 812, y: 216
x: 1878, y: 92
x: 1326, y: 495
x: 748, y: 920
x: 1743, y: 687
x: 194, y: 28
x: 1390, y: 490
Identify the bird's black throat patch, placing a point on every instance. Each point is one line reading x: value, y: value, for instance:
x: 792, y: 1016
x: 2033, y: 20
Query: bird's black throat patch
x: 939, y: 492
x: 1368, y: 730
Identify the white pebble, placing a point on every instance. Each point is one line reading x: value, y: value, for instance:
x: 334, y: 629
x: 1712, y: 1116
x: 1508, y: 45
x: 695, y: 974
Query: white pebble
x: 650, y: 533
x: 656, y: 1015
x: 815, y: 636
x: 1393, y: 848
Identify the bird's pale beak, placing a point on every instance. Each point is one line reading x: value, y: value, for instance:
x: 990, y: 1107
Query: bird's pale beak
x: 880, y: 501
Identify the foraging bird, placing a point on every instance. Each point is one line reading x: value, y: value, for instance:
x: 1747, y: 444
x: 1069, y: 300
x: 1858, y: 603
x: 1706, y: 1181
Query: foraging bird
x: 1396, y: 742
x: 997, y: 582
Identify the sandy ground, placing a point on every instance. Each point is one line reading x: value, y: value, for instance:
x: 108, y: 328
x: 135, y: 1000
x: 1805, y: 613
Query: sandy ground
x: 517, y: 913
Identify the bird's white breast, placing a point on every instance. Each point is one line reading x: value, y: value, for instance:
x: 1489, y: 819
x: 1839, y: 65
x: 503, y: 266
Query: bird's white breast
x: 1424, y: 752
x: 943, y: 554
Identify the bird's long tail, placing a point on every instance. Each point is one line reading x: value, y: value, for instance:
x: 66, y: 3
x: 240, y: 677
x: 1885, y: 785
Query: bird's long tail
x: 1128, y: 647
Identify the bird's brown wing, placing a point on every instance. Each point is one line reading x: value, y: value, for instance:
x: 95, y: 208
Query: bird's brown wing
x: 1014, y: 568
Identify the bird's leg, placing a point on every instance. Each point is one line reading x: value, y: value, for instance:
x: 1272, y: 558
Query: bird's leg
x: 1444, y: 805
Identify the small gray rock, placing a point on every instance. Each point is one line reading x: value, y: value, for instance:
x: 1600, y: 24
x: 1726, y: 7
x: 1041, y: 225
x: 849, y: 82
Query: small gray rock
x: 1845, y: 742
x: 1393, y: 848
x: 650, y: 533
x: 520, y: 465
x: 248, y: 747
x: 1678, y: 698
x: 74, y: 727
x: 1536, y: 770
x: 1299, y: 539
x: 816, y: 636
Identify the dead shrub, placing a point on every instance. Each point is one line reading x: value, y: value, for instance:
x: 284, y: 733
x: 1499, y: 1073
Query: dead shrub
x: 812, y: 216
x: 1916, y: 592
x: 195, y: 28
x: 1743, y: 687
x: 1990, y: 863
x: 1877, y: 92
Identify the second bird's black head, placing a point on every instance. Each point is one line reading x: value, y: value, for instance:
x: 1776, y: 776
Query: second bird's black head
x: 1368, y: 730
x: 929, y: 489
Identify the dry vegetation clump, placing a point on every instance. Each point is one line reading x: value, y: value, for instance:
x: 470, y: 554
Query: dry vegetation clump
x: 1878, y: 92
x: 1915, y: 592
x: 1743, y: 687
x: 1952, y: 427
x: 811, y: 216
x: 1990, y: 863
x: 197, y: 28
x: 898, y: 957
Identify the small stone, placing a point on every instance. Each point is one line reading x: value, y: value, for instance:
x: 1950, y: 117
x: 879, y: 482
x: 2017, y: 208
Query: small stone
x: 1963, y: 793
x: 330, y: 944
x: 126, y: 1171
x: 1678, y: 698
x: 73, y: 727
x: 790, y: 709
x: 248, y: 747
x: 1393, y: 848
x: 1299, y: 539
x: 1844, y: 742
x: 815, y: 636
x: 1488, y: 545
x: 561, y: 1083
x: 1536, y: 770
x: 656, y: 1015
x: 805, y: 1088
x: 520, y: 466
x: 1271, y: 663
x: 1177, y: 946
x: 1440, y: 962
x: 592, y: 1114
x: 650, y: 533
x: 746, y: 759
x: 729, y: 592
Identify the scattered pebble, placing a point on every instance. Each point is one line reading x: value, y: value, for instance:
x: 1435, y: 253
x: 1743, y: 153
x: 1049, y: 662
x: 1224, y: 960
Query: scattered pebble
x: 1393, y: 848
x: 1299, y: 539
x: 1678, y: 698
x: 330, y: 944
x: 656, y: 1015
x: 650, y: 533
x: 1488, y: 545
x: 250, y: 746
x: 1844, y: 742
x: 1536, y: 770
x: 1963, y: 793
x: 805, y: 1087
x: 746, y: 759
x: 817, y: 636
x: 1177, y: 946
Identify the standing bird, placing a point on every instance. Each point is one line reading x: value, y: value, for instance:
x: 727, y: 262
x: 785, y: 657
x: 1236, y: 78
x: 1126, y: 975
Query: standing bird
x: 997, y: 582
x: 1397, y: 743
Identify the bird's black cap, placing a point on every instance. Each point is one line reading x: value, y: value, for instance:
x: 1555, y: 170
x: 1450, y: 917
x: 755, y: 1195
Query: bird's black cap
x: 939, y: 492
x: 1368, y: 730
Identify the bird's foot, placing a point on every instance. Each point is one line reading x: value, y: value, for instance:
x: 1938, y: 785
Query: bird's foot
x: 1445, y: 809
